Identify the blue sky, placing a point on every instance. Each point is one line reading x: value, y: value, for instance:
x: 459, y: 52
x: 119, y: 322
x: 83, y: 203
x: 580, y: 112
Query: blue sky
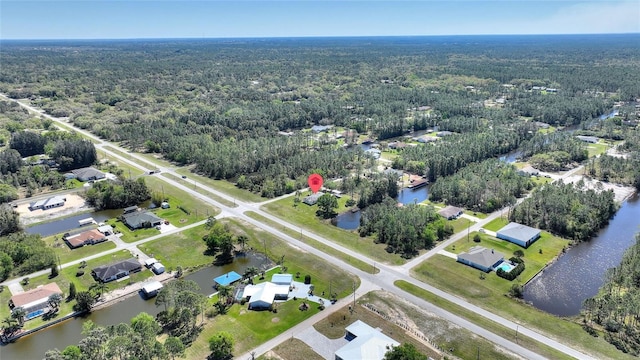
x: 114, y: 19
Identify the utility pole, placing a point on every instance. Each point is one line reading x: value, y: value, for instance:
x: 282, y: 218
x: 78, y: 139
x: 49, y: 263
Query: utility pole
x: 354, y: 295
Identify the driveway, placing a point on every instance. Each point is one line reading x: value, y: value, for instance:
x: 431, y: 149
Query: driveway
x: 321, y: 344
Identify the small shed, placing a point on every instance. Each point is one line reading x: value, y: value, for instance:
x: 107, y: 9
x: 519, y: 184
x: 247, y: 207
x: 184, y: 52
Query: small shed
x: 227, y: 279
x: 149, y: 262
x: 282, y: 279
x: 165, y: 205
x: 157, y: 268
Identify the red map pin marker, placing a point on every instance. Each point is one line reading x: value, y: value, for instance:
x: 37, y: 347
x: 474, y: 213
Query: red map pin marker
x: 315, y: 182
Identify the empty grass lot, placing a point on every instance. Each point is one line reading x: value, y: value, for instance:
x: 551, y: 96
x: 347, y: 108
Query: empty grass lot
x: 318, y: 245
x: 223, y: 186
x: 190, y: 183
x: 489, y: 293
x: 184, y: 249
x: 496, y: 224
x: 305, y: 216
x: 292, y: 349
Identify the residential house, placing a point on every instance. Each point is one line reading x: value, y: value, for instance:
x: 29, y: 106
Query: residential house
x: 36, y: 301
x: 141, y: 219
x: 262, y: 296
x: 88, y: 174
x: 312, y: 199
x: 373, y: 152
x: 426, y: 139
x: 522, y: 235
x: 106, y: 229
x: 157, y: 268
x: 450, y: 212
x: 320, y: 128
x: 365, y: 342
x: 116, y: 270
x: 89, y: 237
x: 443, y: 133
x: 481, y: 258
x: 589, y: 139
x: 49, y: 203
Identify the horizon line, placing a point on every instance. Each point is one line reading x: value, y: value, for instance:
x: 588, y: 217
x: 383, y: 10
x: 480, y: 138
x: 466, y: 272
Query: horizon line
x: 305, y: 37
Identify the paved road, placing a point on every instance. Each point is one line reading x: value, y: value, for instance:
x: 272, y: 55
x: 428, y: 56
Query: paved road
x: 384, y: 279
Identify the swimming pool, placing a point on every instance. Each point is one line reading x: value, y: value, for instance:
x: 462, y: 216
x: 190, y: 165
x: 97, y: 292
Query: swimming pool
x: 505, y: 266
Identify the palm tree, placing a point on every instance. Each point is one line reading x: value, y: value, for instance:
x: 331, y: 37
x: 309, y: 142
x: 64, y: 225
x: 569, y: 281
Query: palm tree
x: 99, y: 287
x: 242, y: 240
x: 224, y: 292
x: 251, y: 272
x: 19, y: 313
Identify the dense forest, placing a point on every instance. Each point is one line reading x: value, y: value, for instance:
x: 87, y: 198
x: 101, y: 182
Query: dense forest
x: 569, y: 210
x: 486, y: 186
x: 220, y: 104
x: 616, y: 309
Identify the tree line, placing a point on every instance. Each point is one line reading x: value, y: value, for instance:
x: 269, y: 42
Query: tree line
x: 569, y: 210
x: 405, y: 230
x: 117, y: 194
x: 22, y: 254
x: 486, y: 186
x: 616, y: 309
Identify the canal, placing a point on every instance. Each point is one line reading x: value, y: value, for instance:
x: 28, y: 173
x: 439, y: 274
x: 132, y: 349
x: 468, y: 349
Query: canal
x: 580, y: 272
x: 34, y: 346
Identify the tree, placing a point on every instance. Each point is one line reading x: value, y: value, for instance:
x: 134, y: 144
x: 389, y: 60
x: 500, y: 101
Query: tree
x: 72, y: 291
x: 55, y: 300
x: 19, y: 313
x: 242, y: 240
x: 405, y: 351
x: 6, y: 266
x: 9, y: 220
x: 327, y: 203
x: 98, y: 288
x: 174, y: 346
x: 72, y: 352
x: 84, y: 301
x: 221, y: 346
x: 54, y: 271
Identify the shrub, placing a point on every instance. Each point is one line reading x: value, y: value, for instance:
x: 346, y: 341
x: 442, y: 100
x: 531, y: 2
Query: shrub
x: 307, y: 279
x: 79, y: 273
x: 476, y: 238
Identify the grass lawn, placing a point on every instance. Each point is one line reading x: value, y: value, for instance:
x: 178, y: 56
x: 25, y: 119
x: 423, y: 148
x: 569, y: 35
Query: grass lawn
x: 479, y: 215
x: 73, y: 184
x: 496, y: 224
x: 293, y: 349
x: 129, y: 171
x: 128, y: 157
x: 66, y: 254
x: 333, y: 327
x: 189, y: 182
x: 541, y: 180
x: 223, y: 186
x: 464, y: 281
x: 460, y: 224
x: 305, y: 216
x: 249, y: 328
x: 597, y: 149
x: 467, y: 347
x: 199, y: 209
x: 318, y: 245
x: 184, y: 249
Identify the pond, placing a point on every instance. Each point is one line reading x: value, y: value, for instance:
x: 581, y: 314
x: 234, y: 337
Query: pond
x: 351, y: 220
x: 69, y: 332
x: 580, y: 272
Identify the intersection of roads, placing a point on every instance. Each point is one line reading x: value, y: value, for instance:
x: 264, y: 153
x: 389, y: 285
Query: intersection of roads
x: 384, y: 279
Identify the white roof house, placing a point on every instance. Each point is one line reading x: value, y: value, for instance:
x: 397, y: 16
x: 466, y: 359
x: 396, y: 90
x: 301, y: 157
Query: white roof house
x: 366, y: 343
x: 49, y: 203
x: 262, y: 295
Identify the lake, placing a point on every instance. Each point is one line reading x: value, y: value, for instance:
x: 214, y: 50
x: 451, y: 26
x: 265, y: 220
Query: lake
x: 579, y: 273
